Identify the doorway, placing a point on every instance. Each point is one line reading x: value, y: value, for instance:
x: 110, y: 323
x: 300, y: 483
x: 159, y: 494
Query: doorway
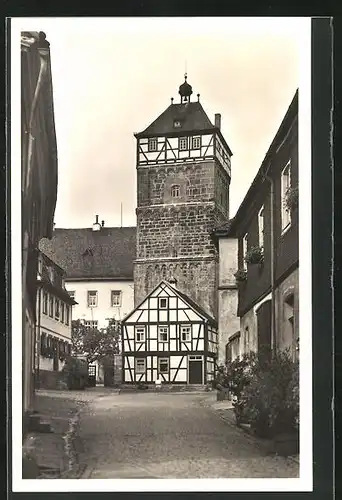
x: 195, y: 369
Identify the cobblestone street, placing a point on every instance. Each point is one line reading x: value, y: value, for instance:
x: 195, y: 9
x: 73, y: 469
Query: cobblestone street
x: 168, y: 436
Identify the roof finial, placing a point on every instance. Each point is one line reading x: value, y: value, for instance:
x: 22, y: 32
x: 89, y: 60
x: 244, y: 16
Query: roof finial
x: 198, y: 96
x: 171, y: 100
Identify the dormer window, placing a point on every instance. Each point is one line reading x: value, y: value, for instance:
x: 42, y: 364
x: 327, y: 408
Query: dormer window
x: 175, y: 191
x: 177, y: 124
x: 183, y: 144
x: 196, y: 142
x: 152, y: 144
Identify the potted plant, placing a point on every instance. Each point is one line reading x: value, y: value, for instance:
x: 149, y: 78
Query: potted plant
x: 291, y: 198
x: 241, y: 275
x: 255, y: 255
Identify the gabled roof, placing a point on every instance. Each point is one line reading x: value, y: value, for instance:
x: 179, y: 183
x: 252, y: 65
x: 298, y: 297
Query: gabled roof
x: 193, y: 305
x: 191, y: 115
x: 56, y: 285
x: 87, y: 254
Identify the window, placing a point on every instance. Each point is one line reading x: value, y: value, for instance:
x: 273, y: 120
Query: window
x: 92, y: 298
x: 246, y: 340
x: 196, y: 142
x: 140, y: 333
x: 163, y: 365
x: 91, y: 323
x: 177, y: 124
x: 152, y: 144
x: 40, y: 265
x: 51, y: 274
x: 244, y: 250
x: 140, y: 365
x: 62, y: 312
x: 163, y: 333
x: 72, y: 294
x: 57, y: 309
x: 183, y: 144
x: 175, y: 191
x: 186, y: 333
x: 162, y: 303
x: 285, y: 185
x: 261, y: 226
x: 51, y: 306
x: 115, y: 299
x: 67, y: 314
x: 45, y: 302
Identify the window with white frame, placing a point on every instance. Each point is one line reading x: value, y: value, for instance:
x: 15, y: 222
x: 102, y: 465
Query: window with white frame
x: 285, y: 185
x: 92, y: 298
x: 91, y: 323
x: 57, y: 308
x: 152, y: 144
x: 163, y: 365
x: 244, y: 250
x: 163, y: 333
x: 261, y: 226
x: 140, y: 333
x: 115, y: 298
x: 196, y: 142
x: 67, y: 314
x: 62, y: 311
x: 140, y: 365
x: 185, y: 331
x: 162, y: 303
x: 45, y: 302
x: 40, y: 265
x: 183, y: 144
x: 72, y: 294
x: 175, y: 191
x: 51, y: 306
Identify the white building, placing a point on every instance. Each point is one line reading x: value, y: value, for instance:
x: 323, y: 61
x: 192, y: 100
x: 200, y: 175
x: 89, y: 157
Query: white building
x: 169, y: 338
x: 54, y: 316
x: 98, y: 262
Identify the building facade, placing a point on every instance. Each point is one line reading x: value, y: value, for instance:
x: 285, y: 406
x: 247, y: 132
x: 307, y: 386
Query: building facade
x: 54, y: 316
x: 183, y: 178
x: 98, y: 264
x: 168, y: 338
x: 38, y: 188
x: 264, y: 232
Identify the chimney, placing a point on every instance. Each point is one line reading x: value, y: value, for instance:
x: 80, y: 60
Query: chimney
x: 96, y: 225
x: 218, y: 121
x: 102, y: 223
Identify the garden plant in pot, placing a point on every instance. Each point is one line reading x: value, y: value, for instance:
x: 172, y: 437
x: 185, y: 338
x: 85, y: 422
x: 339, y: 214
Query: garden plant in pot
x: 255, y: 255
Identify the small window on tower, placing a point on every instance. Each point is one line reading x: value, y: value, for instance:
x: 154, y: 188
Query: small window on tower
x: 177, y: 124
x: 175, y: 191
x: 183, y: 144
x: 152, y: 144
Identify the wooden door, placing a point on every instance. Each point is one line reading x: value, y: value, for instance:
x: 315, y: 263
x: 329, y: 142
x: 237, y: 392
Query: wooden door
x: 195, y: 370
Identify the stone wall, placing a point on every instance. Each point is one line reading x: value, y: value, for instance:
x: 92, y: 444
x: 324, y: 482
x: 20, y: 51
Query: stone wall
x: 195, y: 277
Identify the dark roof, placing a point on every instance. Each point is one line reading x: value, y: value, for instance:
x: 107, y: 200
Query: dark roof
x: 191, y: 115
x: 223, y: 228
x: 84, y: 253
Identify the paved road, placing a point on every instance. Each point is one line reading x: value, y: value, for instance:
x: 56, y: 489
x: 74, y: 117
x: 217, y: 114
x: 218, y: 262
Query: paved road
x: 168, y: 436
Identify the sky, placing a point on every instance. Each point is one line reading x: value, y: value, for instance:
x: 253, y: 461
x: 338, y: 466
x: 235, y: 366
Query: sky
x: 113, y: 76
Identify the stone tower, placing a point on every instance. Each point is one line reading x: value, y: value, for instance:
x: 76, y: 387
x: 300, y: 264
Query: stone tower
x: 183, y: 168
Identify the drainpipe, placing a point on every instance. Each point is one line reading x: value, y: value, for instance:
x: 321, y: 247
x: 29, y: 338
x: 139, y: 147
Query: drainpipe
x: 37, y: 334
x: 273, y: 324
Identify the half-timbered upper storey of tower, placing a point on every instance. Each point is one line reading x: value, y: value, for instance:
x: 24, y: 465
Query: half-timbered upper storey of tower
x: 183, y: 133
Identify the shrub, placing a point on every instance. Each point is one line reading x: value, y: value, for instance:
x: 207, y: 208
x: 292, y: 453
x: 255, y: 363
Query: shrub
x: 236, y: 374
x: 272, y: 396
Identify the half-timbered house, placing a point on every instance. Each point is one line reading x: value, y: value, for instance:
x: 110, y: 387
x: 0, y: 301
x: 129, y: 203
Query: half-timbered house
x: 168, y: 337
